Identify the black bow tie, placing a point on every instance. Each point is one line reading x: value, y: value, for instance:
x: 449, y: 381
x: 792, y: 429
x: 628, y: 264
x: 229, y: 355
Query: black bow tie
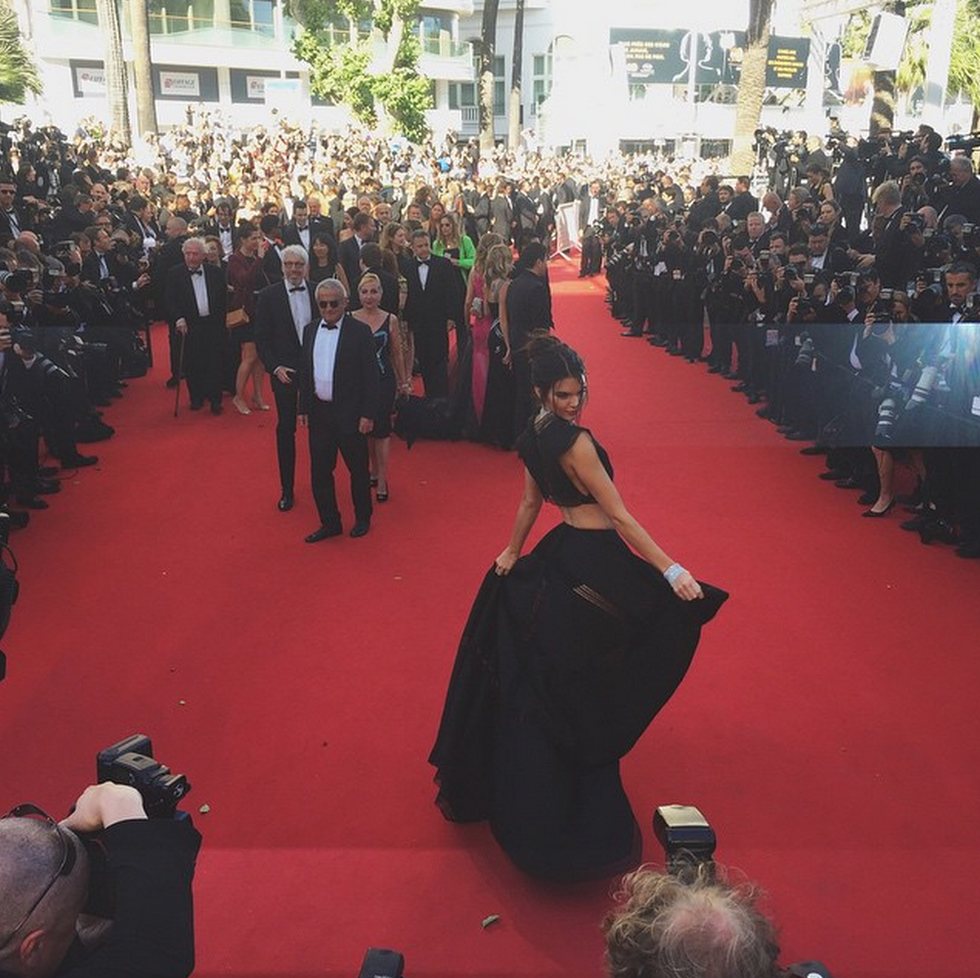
x: 298, y: 288
x: 325, y: 325
x: 198, y: 271
x: 426, y: 262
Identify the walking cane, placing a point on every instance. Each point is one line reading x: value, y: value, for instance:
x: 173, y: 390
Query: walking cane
x: 180, y: 372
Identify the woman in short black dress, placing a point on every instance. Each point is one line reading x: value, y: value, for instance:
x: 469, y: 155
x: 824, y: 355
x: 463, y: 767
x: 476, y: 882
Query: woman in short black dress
x: 568, y: 654
x: 388, y: 348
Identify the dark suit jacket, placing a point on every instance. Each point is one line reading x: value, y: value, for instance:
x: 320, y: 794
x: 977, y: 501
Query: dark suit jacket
x: 528, y: 307
x: 428, y: 309
x: 389, y: 292
x: 6, y: 231
x: 182, y: 304
x: 275, y: 333
x: 323, y: 225
x: 349, y: 256
x: 290, y: 235
x: 356, y: 381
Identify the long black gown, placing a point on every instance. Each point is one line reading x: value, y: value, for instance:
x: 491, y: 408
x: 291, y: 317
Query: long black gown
x: 562, y: 665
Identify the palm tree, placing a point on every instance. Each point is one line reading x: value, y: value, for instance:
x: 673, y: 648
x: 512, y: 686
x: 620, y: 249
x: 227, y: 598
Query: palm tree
x: 139, y: 25
x: 514, y: 109
x: 486, y: 48
x: 18, y: 75
x: 117, y: 89
x: 752, y: 85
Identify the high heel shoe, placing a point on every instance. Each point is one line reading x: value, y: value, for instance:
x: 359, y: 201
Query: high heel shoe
x: 240, y: 406
x: 381, y: 495
x: 374, y: 482
x: 873, y: 514
x: 259, y: 405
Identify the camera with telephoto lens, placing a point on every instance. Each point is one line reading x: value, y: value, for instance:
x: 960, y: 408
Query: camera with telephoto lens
x: 18, y: 282
x: 882, y: 309
x: 807, y: 351
x: 380, y: 962
x: 888, y: 411
x: 130, y: 762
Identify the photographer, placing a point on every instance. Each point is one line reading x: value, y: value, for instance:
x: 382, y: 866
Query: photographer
x: 50, y: 872
x: 697, y: 925
x: 962, y: 194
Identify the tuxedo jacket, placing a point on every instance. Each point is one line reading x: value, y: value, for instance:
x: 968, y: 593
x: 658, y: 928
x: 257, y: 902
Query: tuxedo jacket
x: 7, y: 232
x: 349, y: 256
x: 431, y: 306
x: 528, y: 307
x: 181, y: 302
x: 356, y: 380
x: 275, y: 333
x: 389, y: 292
x: 291, y: 236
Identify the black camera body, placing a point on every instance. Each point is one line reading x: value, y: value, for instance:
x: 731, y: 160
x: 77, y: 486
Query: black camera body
x: 688, y: 840
x: 130, y: 762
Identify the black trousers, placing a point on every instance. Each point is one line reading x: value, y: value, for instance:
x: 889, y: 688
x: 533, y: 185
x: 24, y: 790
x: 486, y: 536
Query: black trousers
x: 432, y: 350
x: 286, y: 396
x: 326, y: 439
x: 203, y: 359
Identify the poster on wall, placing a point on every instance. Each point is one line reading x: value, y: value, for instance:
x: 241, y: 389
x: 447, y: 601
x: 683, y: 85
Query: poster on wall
x: 255, y: 86
x: 88, y: 79
x: 185, y: 84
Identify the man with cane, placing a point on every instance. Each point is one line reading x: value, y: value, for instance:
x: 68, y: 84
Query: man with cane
x: 197, y: 300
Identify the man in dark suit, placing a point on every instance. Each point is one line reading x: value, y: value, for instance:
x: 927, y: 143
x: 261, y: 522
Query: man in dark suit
x: 197, y: 302
x: 271, y: 261
x: 428, y: 311
x: 349, y: 252
x: 299, y: 231
x: 371, y: 262
x: 340, y: 393
x: 223, y: 227
x: 320, y: 223
x: 282, y: 313
x: 743, y: 203
x: 12, y: 219
x: 528, y: 309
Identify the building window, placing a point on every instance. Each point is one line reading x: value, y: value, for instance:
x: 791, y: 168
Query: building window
x: 541, y: 79
x: 464, y: 94
x: 75, y: 10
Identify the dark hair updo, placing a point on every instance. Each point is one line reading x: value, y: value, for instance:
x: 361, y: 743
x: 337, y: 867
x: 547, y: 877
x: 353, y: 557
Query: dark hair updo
x: 552, y: 362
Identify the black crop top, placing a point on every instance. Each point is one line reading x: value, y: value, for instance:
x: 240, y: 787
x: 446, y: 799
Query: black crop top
x: 541, y: 446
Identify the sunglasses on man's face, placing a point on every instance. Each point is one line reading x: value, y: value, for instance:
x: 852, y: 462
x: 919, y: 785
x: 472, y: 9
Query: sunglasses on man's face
x: 330, y: 303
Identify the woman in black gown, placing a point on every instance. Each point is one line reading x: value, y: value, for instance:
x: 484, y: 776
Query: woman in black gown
x: 568, y: 654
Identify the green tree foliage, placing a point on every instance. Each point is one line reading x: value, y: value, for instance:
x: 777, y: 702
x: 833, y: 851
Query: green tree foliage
x: 18, y: 74
x: 348, y: 72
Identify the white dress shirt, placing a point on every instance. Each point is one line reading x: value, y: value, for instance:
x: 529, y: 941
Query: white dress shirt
x: 325, y: 345
x: 201, y: 293
x: 299, y: 306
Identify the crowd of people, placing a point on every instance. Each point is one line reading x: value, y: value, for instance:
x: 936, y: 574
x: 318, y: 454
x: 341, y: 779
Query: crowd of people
x: 847, y: 312
x: 824, y: 307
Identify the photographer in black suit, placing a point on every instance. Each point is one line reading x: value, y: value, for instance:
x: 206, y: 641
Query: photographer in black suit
x: 283, y: 310
x: 45, y: 878
x: 428, y: 310
x: 340, y: 392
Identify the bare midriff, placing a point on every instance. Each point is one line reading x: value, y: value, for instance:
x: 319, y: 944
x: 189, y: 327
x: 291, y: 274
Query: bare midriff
x: 588, y: 516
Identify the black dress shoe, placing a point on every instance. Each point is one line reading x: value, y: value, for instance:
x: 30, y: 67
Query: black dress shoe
x: 966, y: 550
x: 172, y: 383
x: 631, y: 332
x: 715, y: 369
x: 848, y: 483
x: 197, y: 405
x: 741, y: 388
x: 31, y: 502
x: 324, y: 533
x: 78, y: 461
x: 832, y: 475
x: 45, y: 487
x: 285, y: 503
x: 813, y: 450
x: 729, y: 374
x: 754, y: 398
x: 216, y: 407
x: 657, y: 341
x: 46, y: 471
x: 14, y: 519
x: 798, y: 436
x: 360, y: 528
x: 918, y: 522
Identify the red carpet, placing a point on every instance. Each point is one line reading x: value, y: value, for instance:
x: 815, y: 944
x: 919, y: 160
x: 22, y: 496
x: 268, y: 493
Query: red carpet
x: 828, y: 727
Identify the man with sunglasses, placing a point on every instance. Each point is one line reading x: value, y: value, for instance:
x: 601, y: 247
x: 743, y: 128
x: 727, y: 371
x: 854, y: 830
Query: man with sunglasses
x: 45, y: 879
x: 340, y: 393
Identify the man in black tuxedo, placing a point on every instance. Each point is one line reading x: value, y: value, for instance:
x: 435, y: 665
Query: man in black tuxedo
x: 283, y: 310
x: 743, y: 203
x: 320, y: 223
x: 223, y: 227
x: 349, y: 252
x: 271, y: 261
x: 428, y: 311
x: 197, y: 302
x: 12, y: 219
x: 299, y: 231
x: 340, y: 392
x: 528, y: 309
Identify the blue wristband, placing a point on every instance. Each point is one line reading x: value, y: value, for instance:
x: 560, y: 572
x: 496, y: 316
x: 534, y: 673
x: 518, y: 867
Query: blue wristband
x: 673, y: 572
